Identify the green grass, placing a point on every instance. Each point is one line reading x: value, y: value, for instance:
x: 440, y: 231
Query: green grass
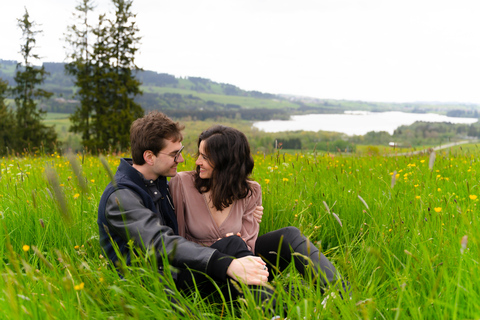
x: 400, y: 247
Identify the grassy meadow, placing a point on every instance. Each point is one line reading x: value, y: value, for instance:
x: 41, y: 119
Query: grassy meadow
x: 402, y: 230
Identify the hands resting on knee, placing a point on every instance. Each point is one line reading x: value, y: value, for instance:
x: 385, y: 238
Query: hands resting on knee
x: 250, y: 270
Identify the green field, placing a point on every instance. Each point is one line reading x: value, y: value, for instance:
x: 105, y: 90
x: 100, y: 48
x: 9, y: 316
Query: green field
x: 409, y: 247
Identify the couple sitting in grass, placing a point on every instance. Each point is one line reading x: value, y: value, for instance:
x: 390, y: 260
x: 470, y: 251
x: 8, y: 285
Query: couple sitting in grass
x: 208, y: 226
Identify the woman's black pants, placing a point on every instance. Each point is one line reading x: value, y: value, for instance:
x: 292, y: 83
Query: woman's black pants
x: 277, y: 248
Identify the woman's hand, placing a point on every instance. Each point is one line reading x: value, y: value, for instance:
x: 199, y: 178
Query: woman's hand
x: 258, y: 213
x: 231, y: 234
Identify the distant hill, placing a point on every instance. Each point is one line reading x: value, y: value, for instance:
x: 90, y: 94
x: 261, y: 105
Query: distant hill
x: 200, y: 98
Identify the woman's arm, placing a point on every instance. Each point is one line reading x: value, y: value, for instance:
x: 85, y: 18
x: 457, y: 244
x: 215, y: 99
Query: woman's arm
x: 250, y: 226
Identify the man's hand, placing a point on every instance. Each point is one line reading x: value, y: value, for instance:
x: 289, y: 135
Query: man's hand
x: 249, y: 270
x: 258, y: 213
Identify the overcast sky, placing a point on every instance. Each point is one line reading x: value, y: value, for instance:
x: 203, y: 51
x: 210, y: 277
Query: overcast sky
x: 371, y: 50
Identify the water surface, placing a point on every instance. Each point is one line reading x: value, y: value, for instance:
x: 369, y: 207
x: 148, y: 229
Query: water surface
x: 355, y: 122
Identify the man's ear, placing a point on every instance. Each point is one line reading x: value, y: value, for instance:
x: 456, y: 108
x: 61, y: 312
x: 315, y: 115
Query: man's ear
x: 148, y: 156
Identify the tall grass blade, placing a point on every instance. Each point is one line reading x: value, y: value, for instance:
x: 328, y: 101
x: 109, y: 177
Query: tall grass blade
x: 109, y: 171
x: 60, y: 200
x: 363, y: 201
x: 394, y: 176
x: 77, y: 170
x: 432, y: 160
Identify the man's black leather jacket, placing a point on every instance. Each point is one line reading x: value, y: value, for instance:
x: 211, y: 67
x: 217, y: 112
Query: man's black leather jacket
x: 127, y: 212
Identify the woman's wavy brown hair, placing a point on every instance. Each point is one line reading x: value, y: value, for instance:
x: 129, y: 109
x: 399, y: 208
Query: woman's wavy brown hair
x: 229, y: 154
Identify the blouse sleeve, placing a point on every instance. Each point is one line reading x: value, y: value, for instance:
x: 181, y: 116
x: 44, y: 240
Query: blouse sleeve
x: 250, y: 226
x: 176, y: 189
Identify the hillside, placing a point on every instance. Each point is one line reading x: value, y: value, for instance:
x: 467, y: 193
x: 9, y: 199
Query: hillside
x: 199, y: 98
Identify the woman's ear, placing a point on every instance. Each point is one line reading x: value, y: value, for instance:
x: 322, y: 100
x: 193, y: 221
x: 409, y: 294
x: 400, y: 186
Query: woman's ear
x: 148, y: 156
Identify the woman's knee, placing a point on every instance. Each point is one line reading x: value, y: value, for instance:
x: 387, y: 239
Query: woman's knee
x: 290, y: 236
x: 233, y: 245
x: 291, y: 231
x: 230, y: 241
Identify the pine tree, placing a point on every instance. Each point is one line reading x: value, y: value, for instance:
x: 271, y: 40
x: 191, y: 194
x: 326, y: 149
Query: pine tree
x: 81, y: 68
x: 7, y: 125
x: 31, y: 133
x: 105, y: 75
x: 124, y: 40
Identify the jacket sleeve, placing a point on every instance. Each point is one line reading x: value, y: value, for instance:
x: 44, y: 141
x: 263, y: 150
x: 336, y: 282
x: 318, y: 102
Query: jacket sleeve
x: 127, y: 216
x: 250, y: 226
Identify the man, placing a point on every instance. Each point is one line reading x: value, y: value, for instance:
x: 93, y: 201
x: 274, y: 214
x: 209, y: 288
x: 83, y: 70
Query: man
x: 138, y: 207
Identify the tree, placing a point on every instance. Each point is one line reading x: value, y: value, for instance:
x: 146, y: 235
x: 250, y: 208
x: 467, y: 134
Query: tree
x: 105, y: 74
x: 124, y: 40
x: 7, y: 125
x: 30, y: 131
x: 81, y: 68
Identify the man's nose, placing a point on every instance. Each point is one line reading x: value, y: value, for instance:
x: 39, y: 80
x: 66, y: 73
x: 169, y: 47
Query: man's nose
x: 180, y: 158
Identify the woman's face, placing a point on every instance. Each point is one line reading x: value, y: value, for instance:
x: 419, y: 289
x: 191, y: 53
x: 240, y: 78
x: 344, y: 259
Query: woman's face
x: 206, y: 169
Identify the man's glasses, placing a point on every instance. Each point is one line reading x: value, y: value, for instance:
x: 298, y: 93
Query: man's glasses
x: 175, y: 157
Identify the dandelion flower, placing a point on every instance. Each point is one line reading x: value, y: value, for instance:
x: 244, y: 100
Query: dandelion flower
x: 77, y: 247
x: 79, y: 287
x: 285, y: 179
x: 439, y: 190
x: 417, y: 197
x: 438, y: 209
x: 26, y: 247
x: 76, y: 196
x: 267, y: 181
x: 472, y: 197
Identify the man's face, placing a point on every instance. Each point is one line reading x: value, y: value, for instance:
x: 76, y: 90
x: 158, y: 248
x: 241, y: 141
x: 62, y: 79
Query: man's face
x: 164, y: 162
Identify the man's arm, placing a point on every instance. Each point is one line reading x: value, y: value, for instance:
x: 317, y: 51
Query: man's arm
x: 128, y: 217
x: 258, y: 213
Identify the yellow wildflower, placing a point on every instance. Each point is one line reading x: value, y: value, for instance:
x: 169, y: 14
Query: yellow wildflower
x: 472, y: 197
x: 79, y: 287
x: 26, y: 247
x: 438, y: 209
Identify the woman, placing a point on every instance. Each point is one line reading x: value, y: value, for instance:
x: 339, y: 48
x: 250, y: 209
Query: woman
x: 218, y: 200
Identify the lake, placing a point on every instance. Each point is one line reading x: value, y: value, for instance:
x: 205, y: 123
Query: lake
x: 355, y: 122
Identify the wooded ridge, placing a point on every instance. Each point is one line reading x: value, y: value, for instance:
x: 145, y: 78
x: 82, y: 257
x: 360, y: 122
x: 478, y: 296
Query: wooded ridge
x: 200, y: 98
